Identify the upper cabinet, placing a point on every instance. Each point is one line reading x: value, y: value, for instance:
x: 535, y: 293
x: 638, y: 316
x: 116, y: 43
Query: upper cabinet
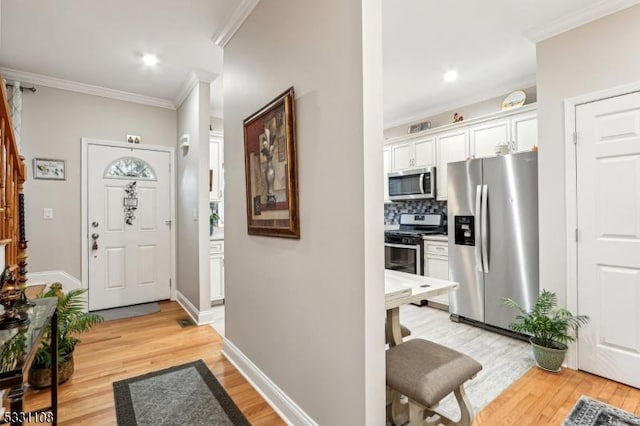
x: 524, y: 131
x: 475, y: 138
x: 413, y: 154
x: 485, y: 137
x: 216, y: 166
x: 451, y: 147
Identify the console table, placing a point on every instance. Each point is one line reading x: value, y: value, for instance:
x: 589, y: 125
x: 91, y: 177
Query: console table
x: 18, y: 347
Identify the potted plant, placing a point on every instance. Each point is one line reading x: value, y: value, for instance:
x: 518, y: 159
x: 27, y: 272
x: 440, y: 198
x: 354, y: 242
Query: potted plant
x: 549, y: 327
x: 213, y: 221
x: 72, y: 320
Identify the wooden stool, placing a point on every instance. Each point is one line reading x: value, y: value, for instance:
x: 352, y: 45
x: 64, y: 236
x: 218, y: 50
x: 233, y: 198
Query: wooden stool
x: 426, y: 372
x: 404, y: 331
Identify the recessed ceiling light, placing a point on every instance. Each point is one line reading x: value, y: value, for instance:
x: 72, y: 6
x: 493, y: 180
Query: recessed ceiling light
x: 150, y: 60
x: 450, y: 76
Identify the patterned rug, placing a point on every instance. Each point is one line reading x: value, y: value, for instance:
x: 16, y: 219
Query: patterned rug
x: 591, y: 412
x: 188, y: 394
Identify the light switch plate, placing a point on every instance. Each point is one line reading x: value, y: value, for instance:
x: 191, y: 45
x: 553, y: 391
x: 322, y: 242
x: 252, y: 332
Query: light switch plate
x: 47, y: 213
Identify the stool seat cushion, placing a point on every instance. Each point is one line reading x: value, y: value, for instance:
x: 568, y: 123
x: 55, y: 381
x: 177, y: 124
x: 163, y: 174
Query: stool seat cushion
x: 427, y: 372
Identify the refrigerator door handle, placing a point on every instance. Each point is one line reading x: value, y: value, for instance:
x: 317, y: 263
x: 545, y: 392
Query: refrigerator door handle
x: 485, y: 237
x: 421, y: 181
x: 478, y: 249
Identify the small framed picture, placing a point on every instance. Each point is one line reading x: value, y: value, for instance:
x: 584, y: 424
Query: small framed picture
x: 45, y: 168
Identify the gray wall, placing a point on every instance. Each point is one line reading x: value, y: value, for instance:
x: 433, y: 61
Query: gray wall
x: 309, y: 313
x: 53, y: 121
x: 193, y: 198
x: 469, y: 111
x: 593, y: 57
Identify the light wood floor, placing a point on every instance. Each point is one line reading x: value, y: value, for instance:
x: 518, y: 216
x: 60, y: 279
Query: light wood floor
x: 541, y: 398
x: 126, y: 348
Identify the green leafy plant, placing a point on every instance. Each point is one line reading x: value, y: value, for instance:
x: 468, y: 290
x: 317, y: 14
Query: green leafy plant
x: 548, y: 324
x: 213, y: 219
x: 72, y: 320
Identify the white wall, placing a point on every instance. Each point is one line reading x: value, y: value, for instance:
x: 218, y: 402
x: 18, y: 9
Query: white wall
x: 593, y: 57
x: 53, y: 121
x: 193, y: 199
x: 309, y: 313
x: 217, y: 124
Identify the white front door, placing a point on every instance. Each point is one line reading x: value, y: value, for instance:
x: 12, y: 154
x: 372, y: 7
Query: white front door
x: 129, y: 232
x: 608, y: 183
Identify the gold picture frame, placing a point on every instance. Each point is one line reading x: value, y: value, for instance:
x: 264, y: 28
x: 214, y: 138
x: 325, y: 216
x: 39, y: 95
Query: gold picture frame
x: 271, y: 170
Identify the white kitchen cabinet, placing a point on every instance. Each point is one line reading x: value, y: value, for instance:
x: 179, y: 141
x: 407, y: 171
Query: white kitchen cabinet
x: 386, y: 155
x: 413, y: 154
x: 424, y: 152
x: 484, y: 137
x: 216, y: 166
x: 436, y: 265
x: 451, y: 146
x: 524, y: 131
x: 216, y: 268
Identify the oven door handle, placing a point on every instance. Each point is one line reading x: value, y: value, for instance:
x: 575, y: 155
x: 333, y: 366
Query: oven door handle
x: 402, y: 246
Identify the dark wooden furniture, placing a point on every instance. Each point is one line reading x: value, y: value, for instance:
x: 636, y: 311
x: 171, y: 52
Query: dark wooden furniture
x: 18, y: 347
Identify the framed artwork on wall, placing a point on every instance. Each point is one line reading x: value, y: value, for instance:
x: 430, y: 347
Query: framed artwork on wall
x: 45, y: 168
x: 271, y: 169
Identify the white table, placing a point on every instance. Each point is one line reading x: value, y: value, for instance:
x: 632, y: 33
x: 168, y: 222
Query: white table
x: 401, y: 288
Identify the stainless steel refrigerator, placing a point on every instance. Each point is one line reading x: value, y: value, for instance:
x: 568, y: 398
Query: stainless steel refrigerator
x: 493, y: 236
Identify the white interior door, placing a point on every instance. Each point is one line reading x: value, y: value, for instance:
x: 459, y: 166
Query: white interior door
x: 608, y: 182
x: 129, y: 259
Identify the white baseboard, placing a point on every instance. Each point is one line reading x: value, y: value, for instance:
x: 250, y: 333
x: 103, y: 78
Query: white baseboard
x: 286, y: 408
x: 68, y: 282
x: 197, y: 316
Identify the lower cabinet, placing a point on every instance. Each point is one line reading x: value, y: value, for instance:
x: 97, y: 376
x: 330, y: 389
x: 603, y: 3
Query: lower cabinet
x: 216, y: 268
x: 436, y: 265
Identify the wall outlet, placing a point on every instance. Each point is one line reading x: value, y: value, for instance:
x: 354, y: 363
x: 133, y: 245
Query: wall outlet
x: 47, y: 213
x: 133, y: 139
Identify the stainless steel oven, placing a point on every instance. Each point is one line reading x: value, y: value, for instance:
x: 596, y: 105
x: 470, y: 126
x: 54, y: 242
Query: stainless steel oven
x: 403, y: 247
x: 412, y: 184
x: 403, y: 257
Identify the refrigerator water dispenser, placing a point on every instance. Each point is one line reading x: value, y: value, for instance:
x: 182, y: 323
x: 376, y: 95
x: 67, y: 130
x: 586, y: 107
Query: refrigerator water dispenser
x: 464, y: 230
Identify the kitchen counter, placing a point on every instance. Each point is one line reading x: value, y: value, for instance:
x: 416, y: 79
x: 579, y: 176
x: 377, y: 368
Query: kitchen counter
x: 438, y: 237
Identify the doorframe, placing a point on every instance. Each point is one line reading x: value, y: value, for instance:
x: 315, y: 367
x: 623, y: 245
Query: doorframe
x: 84, y: 186
x: 571, y: 195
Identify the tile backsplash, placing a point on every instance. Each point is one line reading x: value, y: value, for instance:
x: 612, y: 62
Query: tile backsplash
x: 392, y: 211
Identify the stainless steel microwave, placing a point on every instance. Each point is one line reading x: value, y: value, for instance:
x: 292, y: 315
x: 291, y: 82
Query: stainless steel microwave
x: 412, y: 184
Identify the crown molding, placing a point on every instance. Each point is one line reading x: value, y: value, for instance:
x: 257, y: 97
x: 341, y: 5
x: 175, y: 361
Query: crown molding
x: 194, y: 77
x: 526, y: 82
x: 235, y: 21
x: 87, y: 89
x: 573, y: 20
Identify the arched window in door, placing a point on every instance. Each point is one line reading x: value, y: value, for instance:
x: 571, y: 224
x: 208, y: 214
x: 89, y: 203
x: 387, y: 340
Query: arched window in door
x: 130, y: 168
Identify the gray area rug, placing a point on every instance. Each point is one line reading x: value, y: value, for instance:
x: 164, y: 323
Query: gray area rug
x: 504, y: 359
x: 128, y: 311
x: 591, y: 412
x: 187, y: 394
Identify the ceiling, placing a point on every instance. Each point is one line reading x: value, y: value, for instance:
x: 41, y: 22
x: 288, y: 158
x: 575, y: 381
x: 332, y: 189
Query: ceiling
x: 483, y: 40
x: 101, y: 42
